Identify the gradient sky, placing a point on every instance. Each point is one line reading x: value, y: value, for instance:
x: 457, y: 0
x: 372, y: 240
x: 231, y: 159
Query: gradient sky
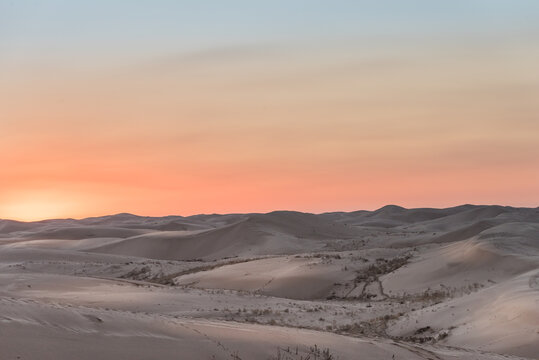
x: 184, y: 107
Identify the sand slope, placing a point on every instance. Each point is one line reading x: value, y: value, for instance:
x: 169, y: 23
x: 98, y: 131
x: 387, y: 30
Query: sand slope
x: 456, y: 283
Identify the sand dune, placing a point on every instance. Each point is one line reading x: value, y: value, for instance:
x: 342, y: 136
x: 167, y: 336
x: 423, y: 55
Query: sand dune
x: 254, y: 235
x: 287, y: 277
x: 395, y: 283
x: 503, y: 317
x: 114, y: 335
x: 96, y: 317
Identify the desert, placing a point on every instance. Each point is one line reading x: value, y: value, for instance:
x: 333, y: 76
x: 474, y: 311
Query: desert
x: 395, y: 283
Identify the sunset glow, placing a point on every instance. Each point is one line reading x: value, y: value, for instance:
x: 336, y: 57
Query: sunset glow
x: 176, y: 108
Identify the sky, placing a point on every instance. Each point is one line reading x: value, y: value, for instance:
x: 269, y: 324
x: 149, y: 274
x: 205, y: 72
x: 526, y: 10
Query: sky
x: 184, y: 107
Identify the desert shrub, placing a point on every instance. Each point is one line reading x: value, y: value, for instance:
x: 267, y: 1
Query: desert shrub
x: 314, y: 353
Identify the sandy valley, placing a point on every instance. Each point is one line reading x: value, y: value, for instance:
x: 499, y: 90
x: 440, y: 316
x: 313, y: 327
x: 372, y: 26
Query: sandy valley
x: 395, y: 283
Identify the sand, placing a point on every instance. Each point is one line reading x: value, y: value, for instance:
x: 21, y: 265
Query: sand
x: 457, y: 283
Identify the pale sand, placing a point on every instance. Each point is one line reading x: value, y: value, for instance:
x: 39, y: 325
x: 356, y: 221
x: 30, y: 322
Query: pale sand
x: 458, y: 283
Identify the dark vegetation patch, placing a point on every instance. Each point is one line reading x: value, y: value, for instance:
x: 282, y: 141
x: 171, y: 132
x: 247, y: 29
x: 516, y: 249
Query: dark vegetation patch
x: 145, y: 272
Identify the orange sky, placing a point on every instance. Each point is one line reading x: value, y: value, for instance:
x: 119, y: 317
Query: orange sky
x: 298, y: 126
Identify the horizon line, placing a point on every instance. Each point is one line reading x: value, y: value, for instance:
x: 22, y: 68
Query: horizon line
x: 269, y: 212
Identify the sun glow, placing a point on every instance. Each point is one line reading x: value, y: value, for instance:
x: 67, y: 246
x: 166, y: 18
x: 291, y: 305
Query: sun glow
x: 37, y: 206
